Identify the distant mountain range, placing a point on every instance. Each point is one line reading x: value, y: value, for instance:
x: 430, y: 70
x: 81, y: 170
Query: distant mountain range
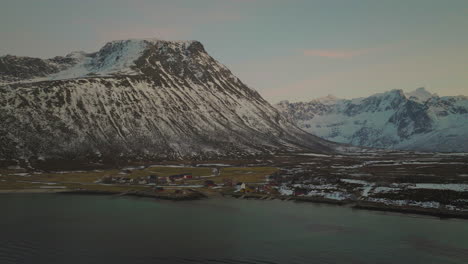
x: 137, y: 99
x: 417, y: 120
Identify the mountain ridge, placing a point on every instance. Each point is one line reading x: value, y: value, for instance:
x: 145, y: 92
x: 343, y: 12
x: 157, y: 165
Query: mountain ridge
x: 416, y: 120
x: 137, y: 99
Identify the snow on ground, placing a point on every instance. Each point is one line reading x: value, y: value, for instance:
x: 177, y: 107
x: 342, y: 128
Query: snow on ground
x: 337, y: 195
x: 134, y: 168
x: 354, y: 181
x: 366, y: 190
x: 443, y: 186
x: 314, y: 155
x: 405, y: 203
x: 283, y: 190
x: 25, y: 174
x: 181, y: 186
x: 382, y: 189
x: 170, y: 166
x: 359, y: 174
x: 315, y: 187
x: 214, y: 165
x: 68, y: 172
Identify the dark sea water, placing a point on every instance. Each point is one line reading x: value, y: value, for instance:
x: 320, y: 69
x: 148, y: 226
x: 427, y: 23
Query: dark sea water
x: 53, y: 228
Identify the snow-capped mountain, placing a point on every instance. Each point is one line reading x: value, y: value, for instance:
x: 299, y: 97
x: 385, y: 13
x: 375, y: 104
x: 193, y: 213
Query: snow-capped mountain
x: 137, y: 99
x: 417, y: 120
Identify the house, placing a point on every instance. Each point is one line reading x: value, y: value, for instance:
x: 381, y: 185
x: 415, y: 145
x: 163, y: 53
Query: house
x: 106, y: 180
x: 162, y: 180
x: 227, y: 182
x: 209, y: 183
x: 246, y: 189
x: 123, y: 180
x: 142, y: 182
x: 242, y: 185
x: 299, y: 192
x: 152, y: 178
x: 179, y: 177
x: 158, y: 189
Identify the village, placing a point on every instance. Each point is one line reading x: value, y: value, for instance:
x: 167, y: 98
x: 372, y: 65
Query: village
x: 187, y: 179
x: 401, y: 181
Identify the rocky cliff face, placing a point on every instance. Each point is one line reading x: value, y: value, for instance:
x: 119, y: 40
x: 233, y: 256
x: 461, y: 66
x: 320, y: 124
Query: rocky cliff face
x: 137, y: 99
x: 417, y: 120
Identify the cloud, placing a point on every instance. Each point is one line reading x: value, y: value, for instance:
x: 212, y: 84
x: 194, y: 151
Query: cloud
x: 335, y: 54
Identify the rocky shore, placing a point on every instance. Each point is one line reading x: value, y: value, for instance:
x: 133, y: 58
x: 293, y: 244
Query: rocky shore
x: 361, y: 205
x: 183, y: 196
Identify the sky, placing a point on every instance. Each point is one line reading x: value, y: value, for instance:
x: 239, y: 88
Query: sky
x: 293, y: 50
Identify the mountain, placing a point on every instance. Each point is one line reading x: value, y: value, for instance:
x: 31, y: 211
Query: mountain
x: 136, y: 99
x: 417, y: 120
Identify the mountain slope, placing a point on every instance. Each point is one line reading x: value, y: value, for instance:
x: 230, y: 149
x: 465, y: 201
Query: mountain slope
x: 138, y: 99
x: 418, y: 120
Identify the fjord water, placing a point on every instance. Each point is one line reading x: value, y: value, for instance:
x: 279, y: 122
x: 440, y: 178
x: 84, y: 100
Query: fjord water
x: 53, y: 228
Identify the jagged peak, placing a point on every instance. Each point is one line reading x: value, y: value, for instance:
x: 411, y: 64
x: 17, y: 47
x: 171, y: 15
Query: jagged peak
x: 329, y: 99
x: 8, y: 56
x: 152, y: 40
x: 143, y: 42
x: 420, y: 95
x: 77, y: 54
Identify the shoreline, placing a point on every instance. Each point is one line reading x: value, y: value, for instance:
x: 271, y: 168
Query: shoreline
x: 363, y: 205
x: 195, y: 195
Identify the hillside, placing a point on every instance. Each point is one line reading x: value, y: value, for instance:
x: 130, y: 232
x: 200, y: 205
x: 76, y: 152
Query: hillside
x: 137, y: 99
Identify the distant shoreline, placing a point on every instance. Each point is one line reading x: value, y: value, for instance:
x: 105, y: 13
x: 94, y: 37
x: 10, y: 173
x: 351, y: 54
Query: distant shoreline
x: 360, y: 205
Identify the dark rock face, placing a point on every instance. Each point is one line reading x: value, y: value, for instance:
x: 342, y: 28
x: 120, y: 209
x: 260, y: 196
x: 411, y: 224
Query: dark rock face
x: 142, y: 99
x: 13, y: 68
x: 418, y: 120
x: 411, y: 118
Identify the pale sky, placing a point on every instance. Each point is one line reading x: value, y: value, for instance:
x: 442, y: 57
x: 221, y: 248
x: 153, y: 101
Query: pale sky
x: 294, y: 49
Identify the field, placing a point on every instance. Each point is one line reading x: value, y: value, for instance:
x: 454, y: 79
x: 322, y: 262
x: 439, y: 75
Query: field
x: 22, y: 179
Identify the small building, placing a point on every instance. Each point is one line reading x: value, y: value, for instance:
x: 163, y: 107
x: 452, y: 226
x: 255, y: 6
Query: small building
x: 152, y: 178
x: 227, y: 182
x: 299, y: 192
x: 158, y: 189
x: 162, y: 180
x: 246, y: 189
x: 179, y: 177
x: 209, y: 183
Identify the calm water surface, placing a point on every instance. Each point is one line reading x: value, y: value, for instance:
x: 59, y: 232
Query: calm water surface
x: 52, y: 228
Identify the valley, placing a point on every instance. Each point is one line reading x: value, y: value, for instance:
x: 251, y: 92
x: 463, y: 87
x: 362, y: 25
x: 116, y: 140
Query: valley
x: 164, y: 119
x: 422, y: 183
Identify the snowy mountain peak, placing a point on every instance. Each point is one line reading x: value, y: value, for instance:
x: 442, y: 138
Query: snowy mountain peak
x: 329, y: 99
x: 420, y: 95
x: 116, y: 57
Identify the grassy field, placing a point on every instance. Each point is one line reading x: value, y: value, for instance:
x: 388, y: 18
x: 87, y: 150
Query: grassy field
x: 86, y: 179
x: 14, y: 185
x: 82, y: 177
x: 247, y: 174
x: 168, y: 171
x: 23, y: 185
